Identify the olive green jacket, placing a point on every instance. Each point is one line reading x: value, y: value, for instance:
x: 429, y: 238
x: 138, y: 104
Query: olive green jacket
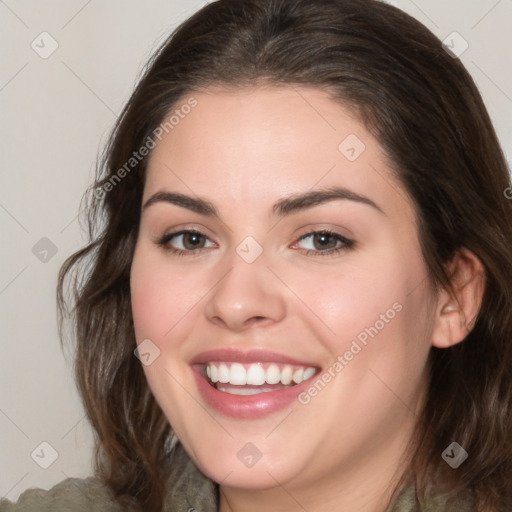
x: 188, y: 491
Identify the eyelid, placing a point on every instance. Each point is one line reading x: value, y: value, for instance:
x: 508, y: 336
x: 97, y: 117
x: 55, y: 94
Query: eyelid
x: 164, y: 241
x: 347, y: 243
x: 180, y: 228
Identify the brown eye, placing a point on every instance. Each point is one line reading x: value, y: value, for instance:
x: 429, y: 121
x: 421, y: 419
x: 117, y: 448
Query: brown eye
x: 324, y: 242
x: 192, y: 240
x: 185, y: 241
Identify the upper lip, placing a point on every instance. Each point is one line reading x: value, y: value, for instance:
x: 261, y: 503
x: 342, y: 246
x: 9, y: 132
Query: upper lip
x: 246, y: 356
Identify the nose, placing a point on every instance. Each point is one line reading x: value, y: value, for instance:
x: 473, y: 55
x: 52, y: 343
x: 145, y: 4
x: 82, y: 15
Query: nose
x: 247, y: 296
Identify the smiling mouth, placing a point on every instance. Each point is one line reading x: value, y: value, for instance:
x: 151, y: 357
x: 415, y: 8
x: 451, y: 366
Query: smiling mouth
x: 254, y: 378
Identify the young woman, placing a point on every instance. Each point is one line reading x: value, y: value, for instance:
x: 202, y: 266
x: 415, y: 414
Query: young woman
x: 302, y: 224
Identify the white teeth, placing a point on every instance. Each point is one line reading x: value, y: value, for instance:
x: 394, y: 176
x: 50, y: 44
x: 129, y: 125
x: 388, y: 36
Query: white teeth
x: 273, y: 374
x: 223, y: 373
x: 286, y: 375
x: 298, y: 375
x: 308, y: 373
x: 238, y: 375
x: 256, y: 375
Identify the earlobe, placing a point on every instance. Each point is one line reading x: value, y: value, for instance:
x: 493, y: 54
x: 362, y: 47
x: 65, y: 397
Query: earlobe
x: 457, y: 310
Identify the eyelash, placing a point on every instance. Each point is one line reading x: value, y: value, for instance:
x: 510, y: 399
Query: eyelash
x: 347, y: 244
x: 164, y: 242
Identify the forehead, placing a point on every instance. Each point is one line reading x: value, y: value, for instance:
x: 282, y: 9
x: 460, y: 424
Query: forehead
x: 259, y: 144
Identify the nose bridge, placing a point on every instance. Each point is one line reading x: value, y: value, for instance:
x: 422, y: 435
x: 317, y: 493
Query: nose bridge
x: 246, y: 294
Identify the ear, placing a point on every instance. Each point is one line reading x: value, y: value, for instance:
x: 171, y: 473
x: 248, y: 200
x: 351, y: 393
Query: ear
x: 456, y: 311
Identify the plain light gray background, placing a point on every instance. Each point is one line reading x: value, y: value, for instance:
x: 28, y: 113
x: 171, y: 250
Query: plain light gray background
x: 56, y: 111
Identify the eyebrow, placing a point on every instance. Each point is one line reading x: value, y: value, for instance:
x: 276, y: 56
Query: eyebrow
x: 196, y: 205
x: 299, y: 202
x: 283, y: 207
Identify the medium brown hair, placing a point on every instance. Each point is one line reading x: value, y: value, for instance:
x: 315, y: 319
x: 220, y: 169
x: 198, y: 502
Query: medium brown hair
x: 426, y: 112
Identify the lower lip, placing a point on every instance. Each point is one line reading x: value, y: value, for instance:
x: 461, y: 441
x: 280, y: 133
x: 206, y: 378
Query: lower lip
x: 247, y: 406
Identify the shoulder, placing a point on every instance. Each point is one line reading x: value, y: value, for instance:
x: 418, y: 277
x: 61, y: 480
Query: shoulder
x: 187, y: 488
x: 407, y: 501
x: 70, y: 495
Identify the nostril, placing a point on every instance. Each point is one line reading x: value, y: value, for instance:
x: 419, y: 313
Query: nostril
x: 257, y: 320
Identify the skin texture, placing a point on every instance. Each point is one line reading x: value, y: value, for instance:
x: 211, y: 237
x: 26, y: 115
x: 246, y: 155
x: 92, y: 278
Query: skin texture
x: 243, y: 151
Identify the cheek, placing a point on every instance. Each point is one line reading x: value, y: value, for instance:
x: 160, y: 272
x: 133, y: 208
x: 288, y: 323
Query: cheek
x: 161, y: 298
x: 159, y: 308
x: 372, y: 310
x: 347, y: 298
x: 149, y: 305
x: 378, y: 352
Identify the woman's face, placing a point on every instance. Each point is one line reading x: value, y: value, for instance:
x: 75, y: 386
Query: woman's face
x: 275, y: 245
